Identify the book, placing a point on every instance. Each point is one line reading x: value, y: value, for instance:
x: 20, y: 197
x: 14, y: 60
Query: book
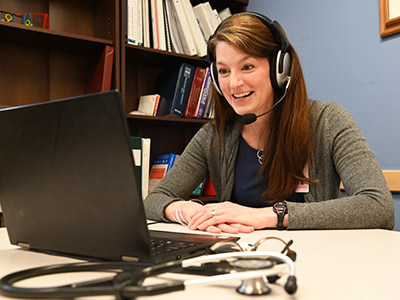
x: 198, y: 37
x: 134, y: 22
x: 195, y: 90
x: 167, y: 28
x: 148, y: 105
x: 204, y: 17
x: 225, y: 13
x: 158, y: 25
x: 210, y: 109
x: 176, y: 43
x: 214, y: 16
x: 100, y: 80
x: 200, y: 188
x: 209, y: 188
x: 188, y: 44
x: 173, y: 86
x: 162, y: 164
x: 146, y: 23
x: 204, y: 95
x: 141, y: 156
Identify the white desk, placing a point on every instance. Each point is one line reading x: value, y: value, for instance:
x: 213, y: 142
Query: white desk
x: 345, y: 264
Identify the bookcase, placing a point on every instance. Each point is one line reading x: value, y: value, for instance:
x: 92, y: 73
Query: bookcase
x: 140, y: 68
x: 41, y: 64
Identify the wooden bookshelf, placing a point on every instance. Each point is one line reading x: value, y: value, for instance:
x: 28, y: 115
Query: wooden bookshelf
x: 42, y: 64
x: 140, y: 68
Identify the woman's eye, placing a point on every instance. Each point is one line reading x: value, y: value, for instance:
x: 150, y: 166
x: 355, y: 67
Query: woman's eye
x: 248, y: 67
x: 222, y: 71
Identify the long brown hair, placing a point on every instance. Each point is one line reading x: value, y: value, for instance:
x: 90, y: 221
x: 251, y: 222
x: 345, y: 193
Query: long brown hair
x: 288, y: 149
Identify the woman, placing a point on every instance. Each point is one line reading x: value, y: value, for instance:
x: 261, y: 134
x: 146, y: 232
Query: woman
x: 283, y: 168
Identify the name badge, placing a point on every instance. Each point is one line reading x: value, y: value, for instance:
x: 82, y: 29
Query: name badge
x: 303, y: 187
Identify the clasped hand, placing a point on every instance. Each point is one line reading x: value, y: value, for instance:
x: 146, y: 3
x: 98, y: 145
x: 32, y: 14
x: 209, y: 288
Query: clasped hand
x: 227, y: 217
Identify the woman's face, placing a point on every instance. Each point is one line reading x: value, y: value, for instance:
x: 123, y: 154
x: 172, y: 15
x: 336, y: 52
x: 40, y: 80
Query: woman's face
x: 244, y: 80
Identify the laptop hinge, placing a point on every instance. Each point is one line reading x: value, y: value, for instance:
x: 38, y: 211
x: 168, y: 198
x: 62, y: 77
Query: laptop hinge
x: 23, y: 244
x: 129, y: 258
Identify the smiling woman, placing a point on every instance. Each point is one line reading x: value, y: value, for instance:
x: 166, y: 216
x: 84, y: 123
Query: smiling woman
x: 282, y: 167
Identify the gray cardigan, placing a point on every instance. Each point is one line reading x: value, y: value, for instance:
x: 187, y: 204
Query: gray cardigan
x: 340, y: 154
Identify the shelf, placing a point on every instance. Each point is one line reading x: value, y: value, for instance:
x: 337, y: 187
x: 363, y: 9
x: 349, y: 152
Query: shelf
x: 159, y: 57
x: 49, y: 39
x: 170, y: 119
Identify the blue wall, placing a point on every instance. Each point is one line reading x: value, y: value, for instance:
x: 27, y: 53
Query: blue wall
x: 346, y: 61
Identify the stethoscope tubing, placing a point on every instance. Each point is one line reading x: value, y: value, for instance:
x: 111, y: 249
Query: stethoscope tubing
x: 132, y: 286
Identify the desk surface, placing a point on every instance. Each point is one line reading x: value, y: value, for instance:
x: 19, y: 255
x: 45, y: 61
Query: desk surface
x: 342, y: 264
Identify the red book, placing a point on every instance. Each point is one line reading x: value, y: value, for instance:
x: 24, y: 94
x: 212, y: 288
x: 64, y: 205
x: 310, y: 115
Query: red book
x: 100, y: 80
x: 195, y: 91
x: 209, y: 188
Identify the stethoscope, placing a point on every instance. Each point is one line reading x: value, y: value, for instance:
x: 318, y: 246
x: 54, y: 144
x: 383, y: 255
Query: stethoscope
x: 253, y: 268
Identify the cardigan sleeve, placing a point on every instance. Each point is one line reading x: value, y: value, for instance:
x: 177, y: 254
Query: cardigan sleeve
x: 341, y: 153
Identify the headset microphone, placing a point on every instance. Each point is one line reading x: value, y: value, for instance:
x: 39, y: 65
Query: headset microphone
x: 251, y: 118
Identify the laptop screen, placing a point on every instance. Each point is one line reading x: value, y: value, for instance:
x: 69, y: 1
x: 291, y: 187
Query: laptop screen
x: 67, y: 181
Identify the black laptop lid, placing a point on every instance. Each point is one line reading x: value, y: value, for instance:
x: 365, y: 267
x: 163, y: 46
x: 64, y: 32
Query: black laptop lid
x: 50, y: 190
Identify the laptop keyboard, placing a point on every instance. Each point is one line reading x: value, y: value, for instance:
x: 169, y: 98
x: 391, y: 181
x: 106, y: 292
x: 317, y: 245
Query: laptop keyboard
x: 162, y: 245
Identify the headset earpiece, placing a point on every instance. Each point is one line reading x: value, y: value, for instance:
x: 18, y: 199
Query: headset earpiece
x: 280, y: 64
x: 280, y: 70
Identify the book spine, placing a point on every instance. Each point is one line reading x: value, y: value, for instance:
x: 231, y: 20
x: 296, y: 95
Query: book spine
x: 204, y: 96
x: 134, y: 22
x: 199, y: 189
x: 209, y: 188
x: 183, y: 28
x: 176, y: 43
x: 209, y: 107
x: 136, y: 146
x: 205, y: 23
x: 161, y: 26
x: 166, y: 27
x: 157, y: 21
x: 171, y: 161
x: 146, y: 145
x: 195, y: 91
x: 146, y: 24
x: 197, y: 35
x: 182, y: 90
x: 157, y: 102
x: 100, y: 80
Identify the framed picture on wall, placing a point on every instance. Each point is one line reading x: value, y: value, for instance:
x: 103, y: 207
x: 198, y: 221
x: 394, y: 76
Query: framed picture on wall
x: 389, y: 15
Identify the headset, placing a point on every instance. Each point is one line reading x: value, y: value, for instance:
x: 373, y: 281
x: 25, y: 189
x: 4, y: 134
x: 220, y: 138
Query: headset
x: 280, y: 62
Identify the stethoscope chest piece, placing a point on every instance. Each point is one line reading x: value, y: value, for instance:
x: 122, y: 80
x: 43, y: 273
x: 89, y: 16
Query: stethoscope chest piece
x: 254, y: 286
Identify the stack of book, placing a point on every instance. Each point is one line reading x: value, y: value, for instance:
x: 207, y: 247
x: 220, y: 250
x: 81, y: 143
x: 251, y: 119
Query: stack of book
x: 184, y: 91
x: 172, y: 25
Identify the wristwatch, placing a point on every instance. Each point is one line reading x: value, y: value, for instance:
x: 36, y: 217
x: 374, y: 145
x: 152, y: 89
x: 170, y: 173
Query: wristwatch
x: 280, y: 208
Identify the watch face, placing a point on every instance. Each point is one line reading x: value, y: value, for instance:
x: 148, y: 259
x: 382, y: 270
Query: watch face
x: 280, y: 207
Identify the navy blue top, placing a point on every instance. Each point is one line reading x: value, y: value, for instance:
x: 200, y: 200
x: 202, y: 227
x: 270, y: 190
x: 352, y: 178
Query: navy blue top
x: 249, y: 185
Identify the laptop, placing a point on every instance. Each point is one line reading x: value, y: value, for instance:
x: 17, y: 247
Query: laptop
x: 68, y: 185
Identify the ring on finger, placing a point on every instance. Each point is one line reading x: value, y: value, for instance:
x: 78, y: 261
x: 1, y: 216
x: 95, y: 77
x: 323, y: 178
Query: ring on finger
x: 213, y: 213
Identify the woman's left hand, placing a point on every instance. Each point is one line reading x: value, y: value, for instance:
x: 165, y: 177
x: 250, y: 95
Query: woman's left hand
x: 231, y: 218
